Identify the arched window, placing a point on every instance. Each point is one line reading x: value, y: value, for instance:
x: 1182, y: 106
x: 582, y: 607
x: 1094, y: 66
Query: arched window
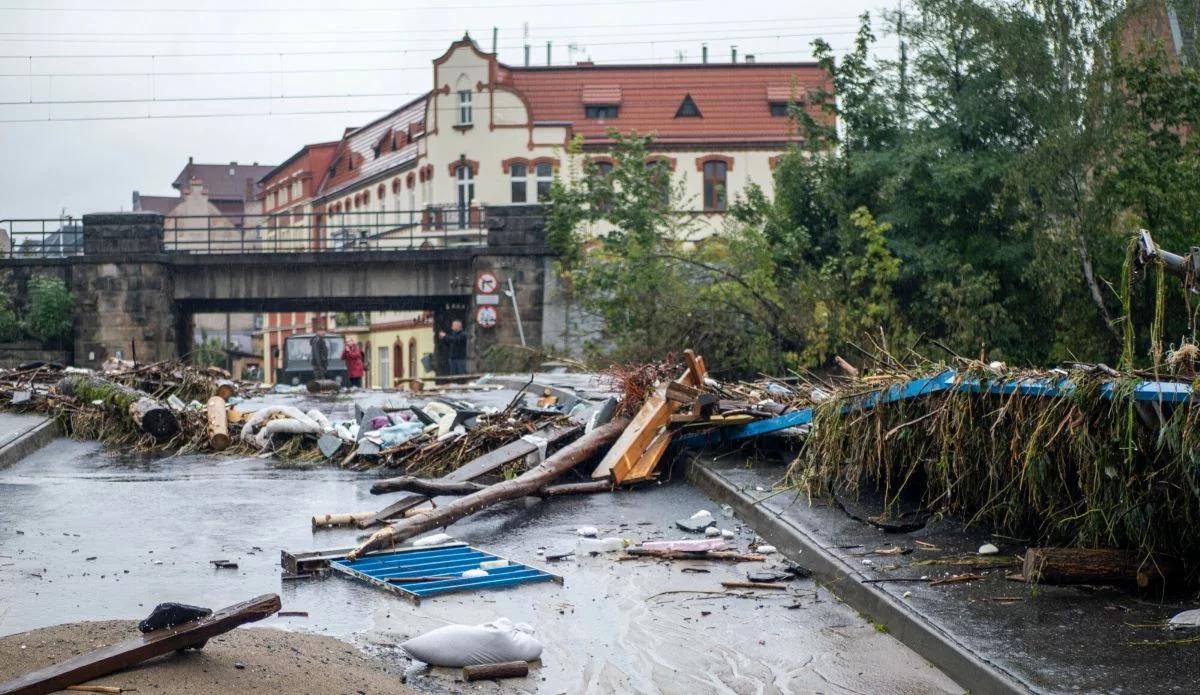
x: 380, y: 191
x: 397, y: 360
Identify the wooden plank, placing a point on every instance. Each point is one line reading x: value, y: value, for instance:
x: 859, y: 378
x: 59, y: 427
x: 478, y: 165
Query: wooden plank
x: 131, y: 652
x: 695, y: 365
x: 682, y: 393
x: 643, y: 469
x: 655, y: 413
x: 476, y: 468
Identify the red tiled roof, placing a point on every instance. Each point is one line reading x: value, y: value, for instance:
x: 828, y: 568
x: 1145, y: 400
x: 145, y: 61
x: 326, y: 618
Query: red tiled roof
x: 732, y: 98
x: 157, y: 203
x: 231, y: 181
x: 605, y: 95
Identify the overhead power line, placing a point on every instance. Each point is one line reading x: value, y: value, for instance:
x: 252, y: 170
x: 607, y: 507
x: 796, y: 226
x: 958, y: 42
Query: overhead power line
x: 363, y: 51
x: 325, y: 9
x: 406, y: 31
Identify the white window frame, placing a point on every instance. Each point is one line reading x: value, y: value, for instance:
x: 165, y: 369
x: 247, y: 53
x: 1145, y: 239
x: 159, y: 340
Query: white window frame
x: 539, y: 179
x: 522, y: 181
x: 465, y: 193
x: 465, y: 107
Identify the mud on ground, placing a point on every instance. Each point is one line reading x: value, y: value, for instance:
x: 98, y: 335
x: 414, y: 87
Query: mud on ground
x: 274, y: 661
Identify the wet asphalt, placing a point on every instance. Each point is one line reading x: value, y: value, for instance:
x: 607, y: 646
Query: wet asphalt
x: 91, y: 534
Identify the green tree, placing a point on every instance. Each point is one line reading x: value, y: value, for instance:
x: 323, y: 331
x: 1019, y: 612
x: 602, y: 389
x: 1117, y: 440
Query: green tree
x: 48, y: 316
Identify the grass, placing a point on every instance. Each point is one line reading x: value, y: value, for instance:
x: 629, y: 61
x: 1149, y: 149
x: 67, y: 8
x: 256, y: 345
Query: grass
x: 1079, y: 470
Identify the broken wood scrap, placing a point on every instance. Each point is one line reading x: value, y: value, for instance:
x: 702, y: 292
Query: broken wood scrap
x: 323, y: 520
x: 424, y: 486
x: 754, y: 585
x: 573, y: 454
x: 107, y: 689
x: 477, y: 468
x: 508, y: 669
x: 131, y: 652
x: 637, y: 438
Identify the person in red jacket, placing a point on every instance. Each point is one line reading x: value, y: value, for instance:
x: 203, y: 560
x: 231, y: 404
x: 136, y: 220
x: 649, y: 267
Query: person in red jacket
x: 352, y: 355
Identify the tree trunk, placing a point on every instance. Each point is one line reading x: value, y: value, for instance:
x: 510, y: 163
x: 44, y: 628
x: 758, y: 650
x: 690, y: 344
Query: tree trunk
x: 226, y: 389
x: 218, y: 424
x: 575, y: 488
x: 1098, y: 566
x: 149, y: 415
x: 528, y: 483
x: 485, y: 672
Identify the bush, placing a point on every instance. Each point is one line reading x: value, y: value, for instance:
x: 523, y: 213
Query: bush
x: 48, y: 318
x: 10, y: 326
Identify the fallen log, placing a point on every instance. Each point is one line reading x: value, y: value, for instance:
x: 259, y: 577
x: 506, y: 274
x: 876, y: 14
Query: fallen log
x: 575, y: 488
x: 452, y: 488
x: 218, y: 424
x: 424, y: 486
x: 339, y: 519
x: 528, y: 483
x: 106, y: 660
x: 489, y: 462
x: 321, y: 386
x: 484, y: 672
x: 1098, y: 566
x: 148, y: 414
x: 226, y: 389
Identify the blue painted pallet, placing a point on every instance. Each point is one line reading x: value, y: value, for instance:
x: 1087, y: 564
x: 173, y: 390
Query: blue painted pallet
x: 448, y: 560
x: 1158, y: 392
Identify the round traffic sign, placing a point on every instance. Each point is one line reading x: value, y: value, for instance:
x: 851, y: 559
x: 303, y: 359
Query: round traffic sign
x: 485, y: 316
x: 487, y: 283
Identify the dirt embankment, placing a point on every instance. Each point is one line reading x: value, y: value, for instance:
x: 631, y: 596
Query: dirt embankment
x: 273, y: 661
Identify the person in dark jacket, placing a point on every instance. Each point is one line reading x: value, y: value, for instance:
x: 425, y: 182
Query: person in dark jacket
x: 320, y: 353
x: 455, y: 345
x: 352, y: 355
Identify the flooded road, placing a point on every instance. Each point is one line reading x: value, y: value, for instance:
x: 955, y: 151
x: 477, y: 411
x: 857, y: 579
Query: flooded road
x: 89, y: 534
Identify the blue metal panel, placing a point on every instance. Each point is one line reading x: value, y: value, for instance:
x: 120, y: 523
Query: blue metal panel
x: 387, y: 570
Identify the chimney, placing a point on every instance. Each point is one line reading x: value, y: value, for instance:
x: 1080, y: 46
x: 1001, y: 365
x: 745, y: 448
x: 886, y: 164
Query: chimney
x: 547, y: 53
x: 704, y: 53
x: 733, y: 52
x: 137, y: 201
x: 495, y: 34
x: 526, y: 55
x: 189, y: 159
x: 749, y: 57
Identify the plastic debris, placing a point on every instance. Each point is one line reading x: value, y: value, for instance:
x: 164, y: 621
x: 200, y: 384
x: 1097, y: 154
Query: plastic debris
x: 712, y: 531
x: 474, y: 574
x: 587, y: 531
x: 765, y: 549
x: 988, y: 549
x: 595, y: 546
x: 435, y: 539
x: 1186, y: 620
x: 727, y: 534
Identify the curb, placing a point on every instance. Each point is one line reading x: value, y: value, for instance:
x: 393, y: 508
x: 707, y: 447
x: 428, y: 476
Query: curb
x: 29, y: 441
x: 936, y: 646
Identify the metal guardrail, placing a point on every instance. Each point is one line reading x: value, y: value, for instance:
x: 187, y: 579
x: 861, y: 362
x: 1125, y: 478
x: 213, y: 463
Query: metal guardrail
x: 41, y: 238
x: 432, y: 227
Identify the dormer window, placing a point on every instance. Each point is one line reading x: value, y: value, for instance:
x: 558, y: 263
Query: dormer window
x: 464, y: 107
x: 779, y: 109
x: 600, y: 111
x: 688, y: 108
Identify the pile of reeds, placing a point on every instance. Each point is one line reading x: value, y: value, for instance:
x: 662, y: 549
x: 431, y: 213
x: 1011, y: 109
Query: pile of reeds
x: 1078, y: 470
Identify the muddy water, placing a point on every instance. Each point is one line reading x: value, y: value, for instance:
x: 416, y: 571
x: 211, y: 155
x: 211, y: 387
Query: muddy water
x: 86, y: 534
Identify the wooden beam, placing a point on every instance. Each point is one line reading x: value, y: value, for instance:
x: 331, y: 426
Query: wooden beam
x: 471, y: 470
x: 131, y: 652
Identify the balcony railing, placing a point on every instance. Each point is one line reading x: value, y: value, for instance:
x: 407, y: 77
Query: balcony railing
x: 48, y: 238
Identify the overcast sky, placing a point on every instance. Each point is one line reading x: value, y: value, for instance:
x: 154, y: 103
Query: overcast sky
x: 364, y: 56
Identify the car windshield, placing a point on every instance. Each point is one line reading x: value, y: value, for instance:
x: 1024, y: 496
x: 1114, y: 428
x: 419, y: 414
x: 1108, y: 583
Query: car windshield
x: 299, y: 350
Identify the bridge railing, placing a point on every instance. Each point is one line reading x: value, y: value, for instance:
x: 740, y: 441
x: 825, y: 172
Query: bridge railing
x: 428, y: 228
x: 41, y: 238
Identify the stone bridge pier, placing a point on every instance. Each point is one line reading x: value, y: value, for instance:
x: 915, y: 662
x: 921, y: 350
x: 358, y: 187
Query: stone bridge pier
x: 123, y: 290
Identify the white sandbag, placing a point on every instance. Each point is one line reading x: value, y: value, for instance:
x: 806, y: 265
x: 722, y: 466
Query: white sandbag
x: 285, y: 426
x: 258, y: 417
x: 466, y: 645
x: 319, y: 418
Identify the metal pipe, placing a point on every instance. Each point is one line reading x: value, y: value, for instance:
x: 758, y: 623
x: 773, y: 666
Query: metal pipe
x: 512, y: 294
x: 495, y: 34
x: 547, y: 53
x: 704, y: 53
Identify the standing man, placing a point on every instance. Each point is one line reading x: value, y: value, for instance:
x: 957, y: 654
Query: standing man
x: 320, y: 352
x: 455, y: 345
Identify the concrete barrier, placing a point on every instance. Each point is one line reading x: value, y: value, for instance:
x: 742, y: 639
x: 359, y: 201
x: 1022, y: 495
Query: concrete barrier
x: 29, y: 441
